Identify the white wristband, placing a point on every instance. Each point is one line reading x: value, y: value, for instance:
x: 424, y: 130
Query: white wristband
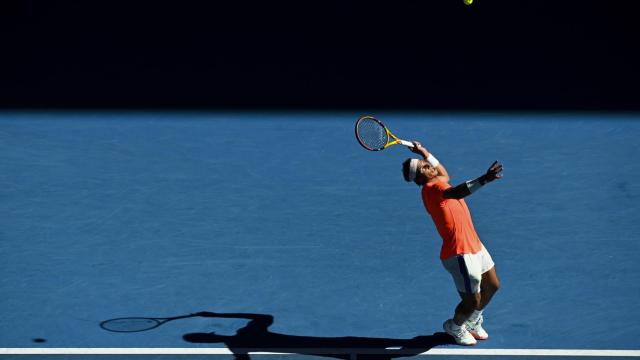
x: 432, y: 160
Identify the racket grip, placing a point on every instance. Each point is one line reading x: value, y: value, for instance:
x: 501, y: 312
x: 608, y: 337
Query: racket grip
x: 406, y: 143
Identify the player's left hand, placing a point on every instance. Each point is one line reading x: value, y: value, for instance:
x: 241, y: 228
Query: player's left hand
x: 417, y: 148
x: 494, y: 172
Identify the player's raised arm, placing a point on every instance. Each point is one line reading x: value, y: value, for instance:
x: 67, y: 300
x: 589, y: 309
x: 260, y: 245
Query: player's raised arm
x: 427, y: 156
x: 262, y: 318
x: 467, y: 188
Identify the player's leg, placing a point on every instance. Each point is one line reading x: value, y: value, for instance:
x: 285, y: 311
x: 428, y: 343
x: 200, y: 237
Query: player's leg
x: 466, y: 307
x: 488, y: 287
x: 466, y: 272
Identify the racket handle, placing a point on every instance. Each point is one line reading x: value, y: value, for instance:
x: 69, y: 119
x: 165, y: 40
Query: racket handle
x: 406, y: 143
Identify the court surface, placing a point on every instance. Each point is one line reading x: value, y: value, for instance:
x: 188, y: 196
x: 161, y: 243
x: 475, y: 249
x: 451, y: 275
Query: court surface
x: 283, y: 215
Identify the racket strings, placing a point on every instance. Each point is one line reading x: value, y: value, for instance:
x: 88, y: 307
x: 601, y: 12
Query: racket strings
x: 372, y: 133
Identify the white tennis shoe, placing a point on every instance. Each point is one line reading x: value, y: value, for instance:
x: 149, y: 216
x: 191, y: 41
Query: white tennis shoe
x: 461, y: 335
x: 476, y: 330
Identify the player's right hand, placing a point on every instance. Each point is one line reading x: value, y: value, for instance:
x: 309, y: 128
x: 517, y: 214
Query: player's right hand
x: 494, y: 171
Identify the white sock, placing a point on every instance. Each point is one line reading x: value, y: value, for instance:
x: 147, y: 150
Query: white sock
x: 475, y: 316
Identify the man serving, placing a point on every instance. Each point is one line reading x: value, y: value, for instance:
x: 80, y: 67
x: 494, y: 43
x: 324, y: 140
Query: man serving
x: 462, y: 253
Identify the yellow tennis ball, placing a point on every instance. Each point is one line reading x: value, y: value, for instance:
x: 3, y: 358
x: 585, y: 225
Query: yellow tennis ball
x: 468, y: 2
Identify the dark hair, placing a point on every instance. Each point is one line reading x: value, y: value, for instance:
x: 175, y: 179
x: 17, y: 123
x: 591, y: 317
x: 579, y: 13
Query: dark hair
x: 405, y: 170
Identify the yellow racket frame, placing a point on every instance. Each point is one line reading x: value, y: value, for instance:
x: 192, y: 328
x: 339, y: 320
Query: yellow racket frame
x: 391, y: 138
x: 396, y: 140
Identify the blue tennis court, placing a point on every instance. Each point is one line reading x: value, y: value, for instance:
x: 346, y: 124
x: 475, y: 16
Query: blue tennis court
x: 284, y: 216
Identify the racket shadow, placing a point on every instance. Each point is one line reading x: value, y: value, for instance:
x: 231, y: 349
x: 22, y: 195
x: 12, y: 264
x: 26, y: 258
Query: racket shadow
x: 138, y: 324
x: 256, y: 337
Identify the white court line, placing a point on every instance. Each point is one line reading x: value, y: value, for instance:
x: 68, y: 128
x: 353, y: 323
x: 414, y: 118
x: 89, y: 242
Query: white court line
x: 224, y: 351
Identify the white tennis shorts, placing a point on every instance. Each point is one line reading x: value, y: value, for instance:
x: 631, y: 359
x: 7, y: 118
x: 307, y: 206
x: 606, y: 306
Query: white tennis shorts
x: 467, y: 270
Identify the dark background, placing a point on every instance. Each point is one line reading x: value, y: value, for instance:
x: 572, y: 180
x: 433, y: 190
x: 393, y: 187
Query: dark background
x: 405, y: 54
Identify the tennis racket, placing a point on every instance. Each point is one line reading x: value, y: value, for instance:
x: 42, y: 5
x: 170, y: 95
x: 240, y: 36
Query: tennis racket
x: 373, y: 135
x: 136, y: 324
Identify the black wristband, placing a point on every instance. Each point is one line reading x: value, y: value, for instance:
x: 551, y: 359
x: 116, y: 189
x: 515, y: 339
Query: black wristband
x: 483, y: 179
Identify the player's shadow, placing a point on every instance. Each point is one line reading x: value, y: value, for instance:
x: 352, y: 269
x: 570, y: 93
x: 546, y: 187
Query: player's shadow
x: 256, y: 337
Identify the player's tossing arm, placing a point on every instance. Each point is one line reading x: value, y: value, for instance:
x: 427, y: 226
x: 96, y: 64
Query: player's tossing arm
x: 427, y: 156
x: 467, y: 188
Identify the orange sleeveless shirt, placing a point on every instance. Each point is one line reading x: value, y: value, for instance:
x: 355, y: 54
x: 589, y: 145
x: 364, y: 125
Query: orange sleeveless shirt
x: 452, y: 219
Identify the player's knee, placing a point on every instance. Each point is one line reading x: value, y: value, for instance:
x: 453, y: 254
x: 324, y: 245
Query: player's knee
x: 491, y: 286
x: 476, y: 301
x: 495, y: 285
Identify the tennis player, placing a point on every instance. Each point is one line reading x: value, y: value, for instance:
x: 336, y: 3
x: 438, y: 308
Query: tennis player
x: 462, y: 253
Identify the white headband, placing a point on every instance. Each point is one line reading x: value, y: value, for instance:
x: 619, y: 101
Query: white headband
x: 413, y: 168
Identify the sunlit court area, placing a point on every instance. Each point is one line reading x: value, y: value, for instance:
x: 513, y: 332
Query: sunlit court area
x: 290, y: 181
